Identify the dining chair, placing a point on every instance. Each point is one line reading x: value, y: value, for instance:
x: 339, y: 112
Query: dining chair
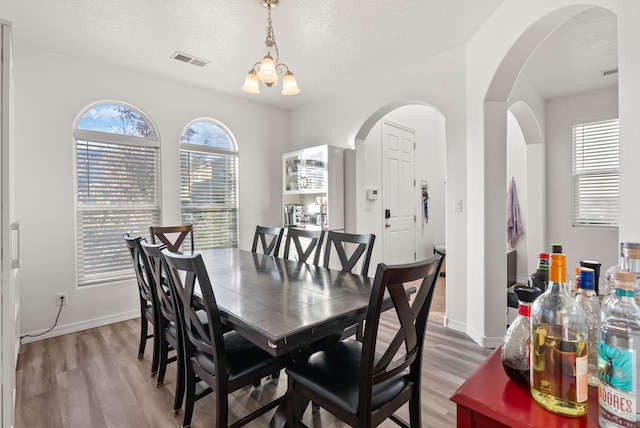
x: 301, y: 237
x: 148, y: 302
x: 270, y: 238
x: 350, y: 248
x: 225, y: 362
x: 355, y: 383
x: 167, y: 235
x: 170, y: 332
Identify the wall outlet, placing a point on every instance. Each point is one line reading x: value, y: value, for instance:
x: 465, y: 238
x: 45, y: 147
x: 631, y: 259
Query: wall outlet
x: 61, y: 296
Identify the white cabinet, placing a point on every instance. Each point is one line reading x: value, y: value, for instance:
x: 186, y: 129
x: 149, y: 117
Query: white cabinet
x: 313, y: 186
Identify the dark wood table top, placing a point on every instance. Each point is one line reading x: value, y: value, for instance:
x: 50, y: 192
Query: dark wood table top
x: 281, y: 305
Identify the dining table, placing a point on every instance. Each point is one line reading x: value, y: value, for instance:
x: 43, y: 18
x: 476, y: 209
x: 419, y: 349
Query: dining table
x: 283, y: 306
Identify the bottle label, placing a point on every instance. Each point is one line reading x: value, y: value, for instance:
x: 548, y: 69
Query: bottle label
x: 616, y: 393
x: 582, y: 384
x: 524, y: 310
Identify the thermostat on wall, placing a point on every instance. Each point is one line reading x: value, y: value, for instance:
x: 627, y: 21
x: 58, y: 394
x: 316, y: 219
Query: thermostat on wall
x: 372, y: 194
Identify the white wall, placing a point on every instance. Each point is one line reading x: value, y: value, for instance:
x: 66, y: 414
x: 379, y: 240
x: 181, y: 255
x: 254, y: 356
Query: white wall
x: 579, y: 243
x: 469, y: 86
x: 496, y: 55
x: 51, y: 90
x: 429, y: 165
x: 340, y: 119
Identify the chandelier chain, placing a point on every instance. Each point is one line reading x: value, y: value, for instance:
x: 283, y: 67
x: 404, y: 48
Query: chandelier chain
x: 271, y: 37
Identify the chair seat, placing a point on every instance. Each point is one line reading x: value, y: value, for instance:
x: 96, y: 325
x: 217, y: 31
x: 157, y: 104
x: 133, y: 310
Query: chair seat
x: 334, y: 374
x: 243, y: 357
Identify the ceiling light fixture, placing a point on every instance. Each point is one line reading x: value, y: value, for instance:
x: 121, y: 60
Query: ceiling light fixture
x: 268, y: 69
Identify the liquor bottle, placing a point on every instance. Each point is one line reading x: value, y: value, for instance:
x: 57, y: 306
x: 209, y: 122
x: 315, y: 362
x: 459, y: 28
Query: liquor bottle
x: 557, y: 249
x: 540, y: 277
x: 517, y: 340
x: 559, y: 346
x: 618, y: 357
x: 629, y: 262
x: 587, y: 298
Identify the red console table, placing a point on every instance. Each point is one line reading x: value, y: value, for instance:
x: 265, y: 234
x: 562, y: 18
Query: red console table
x: 489, y: 399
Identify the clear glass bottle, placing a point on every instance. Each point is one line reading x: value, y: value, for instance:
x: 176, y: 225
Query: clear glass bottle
x: 629, y: 262
x: 618, y: 357
x: 559, y: 346
x: 540, y: 277
x: 587, y: 298
x: 517, y: 340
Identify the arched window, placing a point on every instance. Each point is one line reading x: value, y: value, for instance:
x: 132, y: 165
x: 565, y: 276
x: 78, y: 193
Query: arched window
x: 209, y: 184
x: 117, y: 167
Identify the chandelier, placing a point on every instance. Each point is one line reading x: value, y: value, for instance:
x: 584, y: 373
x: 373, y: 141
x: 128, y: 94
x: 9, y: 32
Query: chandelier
x: 268, y: 69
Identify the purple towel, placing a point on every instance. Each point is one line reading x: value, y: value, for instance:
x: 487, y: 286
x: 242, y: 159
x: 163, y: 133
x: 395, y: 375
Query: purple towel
x: 514, y: 222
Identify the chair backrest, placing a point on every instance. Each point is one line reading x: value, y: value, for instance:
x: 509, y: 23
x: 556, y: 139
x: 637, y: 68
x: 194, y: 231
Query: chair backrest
x: 190, y: 282
x: 164, y: 233
x: 270, y: 238
x: 299, y: 237
x: 166, y: 303
x: 146, y: 286
x: 341, y: 241
x: 412, y: 318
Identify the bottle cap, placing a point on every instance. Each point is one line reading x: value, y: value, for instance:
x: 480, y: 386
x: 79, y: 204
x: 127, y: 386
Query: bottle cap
x: 526, y: 294
x: 557, y: 268
x: 543, y: 256
x: 630, y: 245
x: 586, y: 278
x: 556, y: 248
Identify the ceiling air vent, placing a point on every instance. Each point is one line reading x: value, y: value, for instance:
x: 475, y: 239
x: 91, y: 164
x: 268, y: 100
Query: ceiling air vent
x: 189, y: 59
x: 611, y: 71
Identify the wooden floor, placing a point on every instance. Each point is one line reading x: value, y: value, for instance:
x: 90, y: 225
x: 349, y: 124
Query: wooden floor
x: 94, y: 379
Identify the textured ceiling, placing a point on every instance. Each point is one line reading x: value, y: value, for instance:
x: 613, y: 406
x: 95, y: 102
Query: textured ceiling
x: 573, y: 57
x: 329, y: 45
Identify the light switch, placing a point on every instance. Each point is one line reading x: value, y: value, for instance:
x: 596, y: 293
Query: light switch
x: 457, y: 205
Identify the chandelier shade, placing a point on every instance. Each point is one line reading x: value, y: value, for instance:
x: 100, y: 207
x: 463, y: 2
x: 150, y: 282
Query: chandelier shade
x: 267, y: 70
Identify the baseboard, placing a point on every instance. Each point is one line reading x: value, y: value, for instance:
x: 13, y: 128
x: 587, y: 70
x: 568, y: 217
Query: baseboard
x: 484, y: 341
x: 83, y: 325
x: 455, y: 325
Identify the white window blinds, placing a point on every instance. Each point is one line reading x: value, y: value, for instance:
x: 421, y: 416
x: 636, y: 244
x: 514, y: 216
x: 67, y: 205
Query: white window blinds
x: 117, y: 193
x: 596, y: 173
x: 208, y: 187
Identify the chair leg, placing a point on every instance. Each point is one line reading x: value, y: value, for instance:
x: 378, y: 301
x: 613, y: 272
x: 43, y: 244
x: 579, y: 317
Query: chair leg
x: 295, y: 405
x: 415, y: 412
x: 143, y: 336
x: 163, y: 356
x: 190, y: 398
x: 156, y: 349
x: 180, y: 378
x: 222, y: 408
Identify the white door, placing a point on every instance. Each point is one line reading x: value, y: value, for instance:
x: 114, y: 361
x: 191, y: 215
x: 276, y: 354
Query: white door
x: 398, y: 188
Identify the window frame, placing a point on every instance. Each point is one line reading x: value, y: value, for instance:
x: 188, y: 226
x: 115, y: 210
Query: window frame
x: 594, y: 172
x: 89, y: 136
x: 204, y: 149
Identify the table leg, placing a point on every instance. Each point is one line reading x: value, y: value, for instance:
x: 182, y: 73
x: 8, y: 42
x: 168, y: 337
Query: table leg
x: 279, y: 419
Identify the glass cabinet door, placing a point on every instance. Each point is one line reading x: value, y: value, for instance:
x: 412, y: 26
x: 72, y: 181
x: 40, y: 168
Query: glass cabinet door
x: 315, y: 170
x: 306, y: 171
x: 293, y: 172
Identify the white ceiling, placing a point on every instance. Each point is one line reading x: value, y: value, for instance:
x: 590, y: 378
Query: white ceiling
x: 329, y: 45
